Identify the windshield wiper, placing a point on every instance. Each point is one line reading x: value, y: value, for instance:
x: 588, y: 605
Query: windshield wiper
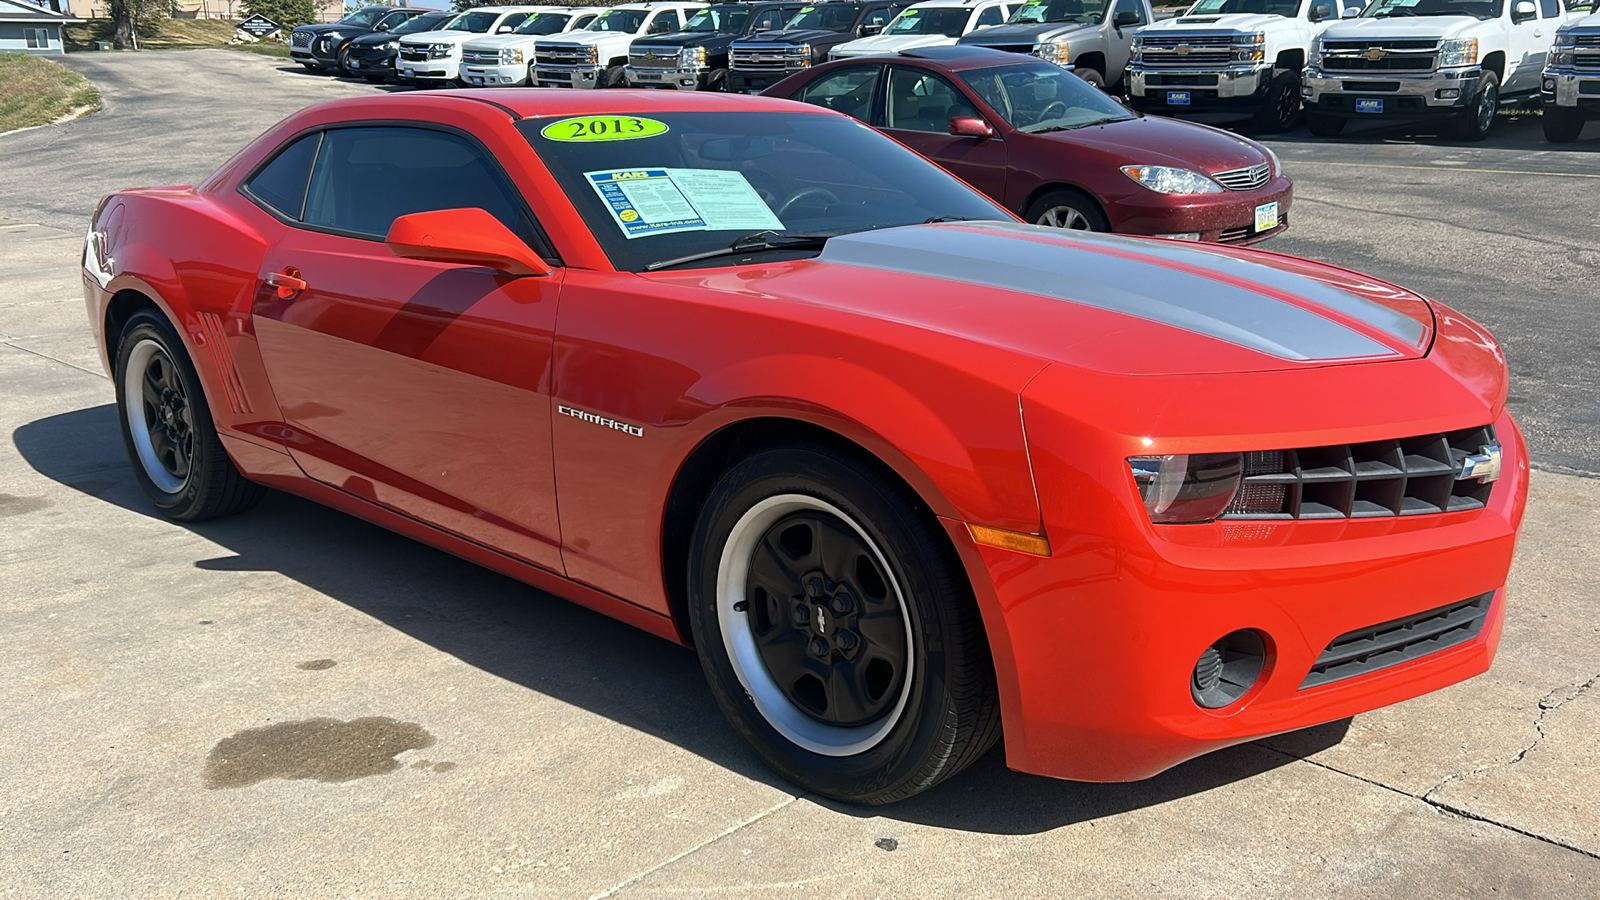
x: 750, y: 243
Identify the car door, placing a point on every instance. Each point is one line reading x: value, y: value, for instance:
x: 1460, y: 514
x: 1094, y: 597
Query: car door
x: 918, y: 106
x: 417, y: 385
x: 1530, y: 41
x: 1119, y: 41
x: 852, y: 90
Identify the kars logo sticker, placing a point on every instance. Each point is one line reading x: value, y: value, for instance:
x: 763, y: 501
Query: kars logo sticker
x: 603, y: 128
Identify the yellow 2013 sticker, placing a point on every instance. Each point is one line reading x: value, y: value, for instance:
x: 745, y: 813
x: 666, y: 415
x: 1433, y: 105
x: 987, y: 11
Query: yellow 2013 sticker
x: 603, y: 128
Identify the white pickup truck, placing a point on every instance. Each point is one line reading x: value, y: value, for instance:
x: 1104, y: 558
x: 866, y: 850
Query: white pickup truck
x: 434, y: 57
x: 1416, y: 59
x: 597, y: 56
x: 1231, y: 55
x: 934, y: 23
x: 1571, y: 84
x: 1093, y: 37
x: 505, y: 60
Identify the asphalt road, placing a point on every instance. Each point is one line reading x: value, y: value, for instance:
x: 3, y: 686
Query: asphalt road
x: 295, y: 703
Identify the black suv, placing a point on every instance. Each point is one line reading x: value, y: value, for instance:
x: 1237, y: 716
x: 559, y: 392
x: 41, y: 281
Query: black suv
x: 696, y: 58
x: 371, y: 56
x: 758, y: 63
x: 321, y: 47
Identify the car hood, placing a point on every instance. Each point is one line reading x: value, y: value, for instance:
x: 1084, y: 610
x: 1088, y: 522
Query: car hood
x: 1231, y: 22
x: 331, y: 26
x: 1160, y: 141
x: 376, y: 38
x: 805, y: 36
x: 502, y: 41
x: 1020, y: 34
x: 588, y: 38
x: 684, y: 39
x: 1404, y: 27
x: 1123, y: 305
x: 892, y: 43
x: 441, y: 37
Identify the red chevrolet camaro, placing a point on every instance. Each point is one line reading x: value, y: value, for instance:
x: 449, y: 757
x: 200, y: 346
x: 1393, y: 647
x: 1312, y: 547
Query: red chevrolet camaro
x: 906, y: 472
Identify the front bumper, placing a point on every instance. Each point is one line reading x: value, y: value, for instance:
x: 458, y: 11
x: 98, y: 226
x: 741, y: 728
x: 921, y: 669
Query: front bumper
x: 1095, y: 646
x: 567, y: 76
x: 1385, y: 96
x: 1228, y: 217
x: 502, y: 75
x: 446, y: 69
x: 1570, y: 88
x: 740, y: 82
x: 683, y: 78
x: 373, y: 62
x: 1156, y: 89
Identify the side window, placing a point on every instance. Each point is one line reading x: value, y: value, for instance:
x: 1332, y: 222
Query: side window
x: 879, y: 17
x: 510, y: 23
x: 664, y: 22
x: 771, y: 20
x: 1550, y: 9
x: 845, y: 90
x: 365, y: 178
x: 922, y: 101
x: 994, y: 15
x: 1133, y: 6
x: 281, y: 184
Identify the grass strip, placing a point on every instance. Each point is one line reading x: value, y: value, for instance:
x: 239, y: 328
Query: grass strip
x: 35, y: 90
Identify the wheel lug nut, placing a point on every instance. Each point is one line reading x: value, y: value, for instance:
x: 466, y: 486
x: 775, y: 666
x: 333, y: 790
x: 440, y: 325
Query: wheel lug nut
x: 847, y: 641
x: 842, y: 603
x: 814, y: 587
x: 819, y: 647
x: 802, y: 615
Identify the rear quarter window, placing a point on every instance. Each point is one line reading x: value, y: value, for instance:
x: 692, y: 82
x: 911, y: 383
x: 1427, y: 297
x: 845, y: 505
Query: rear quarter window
x: 280, y: 185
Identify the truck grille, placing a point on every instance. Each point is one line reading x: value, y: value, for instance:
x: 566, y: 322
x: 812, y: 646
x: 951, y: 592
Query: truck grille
x: 1379, y: 56
x: 564, y: 54
x: 413, y: 54
x: 481, y: 57
x: 299, y: 38
x: 1408, y: 477
x: 1587, y: 53
x: 652, y: 57
x: 1249, y: 178
x: 1400, y: 641
x: 768, y: 58
x: 1187, y: 51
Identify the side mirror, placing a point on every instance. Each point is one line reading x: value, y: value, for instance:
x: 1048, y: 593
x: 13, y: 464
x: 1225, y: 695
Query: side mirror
x: 1321, y: 11
x: 1523, y: 11
x: 870, y: 30
x: 470, y: 237
x: 970, y: 126
x: 381, y: 26
x: 504, y: 29
x: 1125, y: 18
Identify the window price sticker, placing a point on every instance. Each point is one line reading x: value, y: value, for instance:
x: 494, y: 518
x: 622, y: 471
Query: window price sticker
x: 661, y: 201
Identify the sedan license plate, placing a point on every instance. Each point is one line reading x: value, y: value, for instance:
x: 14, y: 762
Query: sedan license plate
x: 475, y: 79
x: 355, y: 63
x: 406, y: 71
x: 1368, y: 105
x: 1177, y: 98
x: 1267, y: 216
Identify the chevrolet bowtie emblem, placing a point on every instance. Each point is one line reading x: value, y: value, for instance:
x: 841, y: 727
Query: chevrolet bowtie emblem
x: 1483, y: 465
x: 1182, y: 50
x: 1375, y: 53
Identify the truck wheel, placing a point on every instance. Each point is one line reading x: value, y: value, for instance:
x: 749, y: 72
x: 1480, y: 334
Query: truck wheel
x: 717, y: 81
x: 1093, y: 76
x: 1475, y: 123
x: 1277, y: 114
x: 837, y: 631
x: 1323, y: 125
x: 1562, y: 125
x: 1069, y: 209
x: 614, y: 77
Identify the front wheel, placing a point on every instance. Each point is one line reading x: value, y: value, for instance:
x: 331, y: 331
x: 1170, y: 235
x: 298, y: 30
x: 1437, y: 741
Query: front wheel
x: 1476, y: 122
x: 1277, y: 114
x: 614, y: 77
x: 1092, y: 76
x: 167, y: 430
x: 344, y: 63
x: 1069, y: 209
x: 1562, y: 125
x: 836, y: 628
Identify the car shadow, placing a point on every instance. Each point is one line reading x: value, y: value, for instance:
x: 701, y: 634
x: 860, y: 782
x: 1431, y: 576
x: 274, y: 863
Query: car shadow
x: 579, y: 657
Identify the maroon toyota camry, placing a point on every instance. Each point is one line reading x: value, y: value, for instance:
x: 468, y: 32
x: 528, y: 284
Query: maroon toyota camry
x: 1055, y: 150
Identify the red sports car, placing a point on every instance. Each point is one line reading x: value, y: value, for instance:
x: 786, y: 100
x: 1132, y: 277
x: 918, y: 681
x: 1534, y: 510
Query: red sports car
x: 906, y: 472
x: 1056, y: 151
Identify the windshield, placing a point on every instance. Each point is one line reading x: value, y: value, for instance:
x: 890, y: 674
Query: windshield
x: 950, y: 22
x: 1286, y: 8
x: 1038, y: 98
x: 627, y: 20
x: 1478, y: 9
x: 475, y: 22
x: 725, y: 19
x: 1036, y: 11
x: 366, y: 16
x: 544, y: 23
x: 421, y: 23
x: 393, y: 20
x: 830, y: 17
x: 696, y: 182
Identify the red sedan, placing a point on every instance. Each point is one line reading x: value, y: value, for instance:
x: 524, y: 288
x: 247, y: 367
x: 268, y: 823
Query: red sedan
x: 905, y: 472
x: 1055, y: 150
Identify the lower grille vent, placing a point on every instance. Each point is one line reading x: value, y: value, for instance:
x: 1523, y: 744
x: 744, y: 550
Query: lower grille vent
x: 1400, y: 641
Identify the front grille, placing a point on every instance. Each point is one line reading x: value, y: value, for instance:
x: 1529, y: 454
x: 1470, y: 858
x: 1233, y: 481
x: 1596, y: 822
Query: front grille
x: 1245, y: 233
x: 1249, y: 178
x: 1409, y: 477
x: 299, y: 38
x: 771, y: 58
x: 481, y: 57
x: 1400, y: 641
x: 652, y: 57
x: 564, y: 55
x: 1187, y: 51
x: 414, y: 54
x: 1584, y: 56
x: 1396, y: 56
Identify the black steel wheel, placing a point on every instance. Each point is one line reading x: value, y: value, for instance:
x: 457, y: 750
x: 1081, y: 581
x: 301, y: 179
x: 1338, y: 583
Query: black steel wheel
x: 1282, y: 105
x: 836, y: 628
x: 614, y: 77
x: 167, y: 430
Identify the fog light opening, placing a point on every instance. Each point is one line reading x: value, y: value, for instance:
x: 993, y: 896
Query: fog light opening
x: 1228, y: 669
x: 1448, y: 94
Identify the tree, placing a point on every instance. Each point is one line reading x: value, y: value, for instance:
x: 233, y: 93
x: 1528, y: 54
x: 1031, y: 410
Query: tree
x: 287, y: 13
x: 129, y: 17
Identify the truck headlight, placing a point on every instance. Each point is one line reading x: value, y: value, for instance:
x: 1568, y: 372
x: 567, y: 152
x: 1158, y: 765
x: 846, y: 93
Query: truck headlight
x: 439, y: 51
x: 1136, y: 52
x: 1316, y: 54
x: 1561, y: 50
x: 1250, y: 47
x: 1052, y: 52
x: 692, y: 58
x: 1187, y: 488
x: 1458, y: 52
x: 510, y: 55
x: 1169, y: 180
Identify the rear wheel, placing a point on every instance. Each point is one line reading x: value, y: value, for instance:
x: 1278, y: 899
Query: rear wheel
x: 1278, y: 113
x: 837, y: 630
x: 1476, y: 122
x: 167, y: 429
x: 1069, y: 209
x: 1562, y: 125
x: 1323, y: 125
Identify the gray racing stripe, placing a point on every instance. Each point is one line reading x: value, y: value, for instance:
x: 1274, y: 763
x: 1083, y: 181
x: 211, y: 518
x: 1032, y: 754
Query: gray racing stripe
x: 991, y: 255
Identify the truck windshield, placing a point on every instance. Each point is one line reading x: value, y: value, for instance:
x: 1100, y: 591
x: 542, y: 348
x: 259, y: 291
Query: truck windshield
x: 718, y: 19
x: 1039, y: 98
x: 627, y: 20
x: 828, y: 17
x: 1036, y: 12
x: 475, y: 22
x: 1478, y: 9
x: 366, y: 16
x: 544, y: 23
x: 1286, y: 8
x: 950, y: 22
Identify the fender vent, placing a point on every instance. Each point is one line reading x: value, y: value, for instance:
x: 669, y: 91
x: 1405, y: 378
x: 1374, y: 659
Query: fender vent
x: 215, y: 340
x: 1400, y: 641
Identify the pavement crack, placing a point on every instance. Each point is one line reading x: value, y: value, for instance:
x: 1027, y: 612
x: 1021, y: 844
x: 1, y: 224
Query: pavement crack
x: 1547, y: 703
x: 100, y: 375
x: 742, y: 823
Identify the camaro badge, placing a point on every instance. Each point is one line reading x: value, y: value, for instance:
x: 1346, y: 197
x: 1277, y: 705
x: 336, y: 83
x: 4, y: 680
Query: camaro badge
x: 1483, y: 465
x: 593, y: 419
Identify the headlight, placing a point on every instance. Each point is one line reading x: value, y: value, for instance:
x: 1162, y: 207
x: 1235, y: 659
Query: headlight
x: 1250, y: 47
x: 1168, y: 180
x: 1561, y: 50
x: 510, y: 55
x: 591, y: 55
x: 1316, y: 53
x: 1136, y: 52
x: 692, y: 58
x: 1277, y: 164
x: 1458, y: 52
x: 1052, y: 52
x: 440, y: 51
x: 1186, y: 488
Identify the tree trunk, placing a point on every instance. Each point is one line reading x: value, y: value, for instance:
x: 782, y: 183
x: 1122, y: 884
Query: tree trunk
x: 122, y: 26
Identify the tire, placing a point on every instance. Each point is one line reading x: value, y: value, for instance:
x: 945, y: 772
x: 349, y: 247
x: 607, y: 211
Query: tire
x: 863, y: 590
x: 1092, y: 76
x: 167, y: 430
x: 1323, y: 125
x: 1282, y: 105
x: 717, y: 81
x: 1069, y: 209
x: 344, y: 63
x: 1476, y: 123
x: 1562, y: 125
x: 614, y: 77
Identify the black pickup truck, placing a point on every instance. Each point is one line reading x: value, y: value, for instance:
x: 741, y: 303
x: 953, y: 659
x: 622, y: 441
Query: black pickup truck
x: 757, y: 63
x: 696, y: 58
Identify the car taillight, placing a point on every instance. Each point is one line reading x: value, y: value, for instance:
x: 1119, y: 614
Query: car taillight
x: 1186, y: 488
